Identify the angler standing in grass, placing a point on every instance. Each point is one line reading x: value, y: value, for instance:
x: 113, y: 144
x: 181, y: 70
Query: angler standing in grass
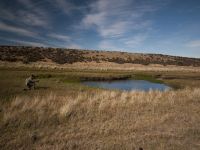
x: 30, y: 82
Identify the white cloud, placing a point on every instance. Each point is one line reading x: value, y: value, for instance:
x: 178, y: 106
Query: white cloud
x: 37, y: 44
x: 94, y: 19
x: 194, y: 44
x: 114, y: 30
x: 17, y: 30
x: 73, y: 46
x: 26, y: 43
x: 64, y: 5
x: 115, y: 18
x: 32, y: 19
x: 59, y: 37
x: 108, y: 45
x: 34, y: 14
x: 134, y: 41
x: 117, y: 44
x: 67, y: 7
x: 30, y: 14
x: 120, y: 23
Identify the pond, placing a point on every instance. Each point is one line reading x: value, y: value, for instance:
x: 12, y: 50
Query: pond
x: 128, y: 85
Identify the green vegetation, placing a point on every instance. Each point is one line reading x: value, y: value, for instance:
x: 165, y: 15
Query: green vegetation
x: 147, y: 77
x: 12, y: 80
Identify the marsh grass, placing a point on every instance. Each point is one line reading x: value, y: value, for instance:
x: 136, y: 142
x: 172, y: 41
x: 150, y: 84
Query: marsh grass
x: 147, y: 77
x: 12, y: 79
x: 103, y: 120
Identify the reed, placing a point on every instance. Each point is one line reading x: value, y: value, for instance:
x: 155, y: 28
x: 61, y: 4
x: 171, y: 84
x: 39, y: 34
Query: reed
x: 103, y: 120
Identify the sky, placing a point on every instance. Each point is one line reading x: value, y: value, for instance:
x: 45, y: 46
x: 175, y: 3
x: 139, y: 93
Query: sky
x: 169, y: 27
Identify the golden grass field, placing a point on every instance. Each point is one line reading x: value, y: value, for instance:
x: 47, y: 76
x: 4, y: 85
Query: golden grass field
x: 67, y: 115
x: 104, y: 120
x: 101, y: 66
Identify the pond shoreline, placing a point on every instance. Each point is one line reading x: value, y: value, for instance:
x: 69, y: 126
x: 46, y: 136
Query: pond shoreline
x: 111, y: 78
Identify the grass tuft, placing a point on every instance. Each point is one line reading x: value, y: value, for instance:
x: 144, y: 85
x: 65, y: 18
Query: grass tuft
x: 104, y: 120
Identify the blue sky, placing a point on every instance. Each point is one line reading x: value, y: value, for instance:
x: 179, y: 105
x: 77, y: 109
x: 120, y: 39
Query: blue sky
x: 144, y: 26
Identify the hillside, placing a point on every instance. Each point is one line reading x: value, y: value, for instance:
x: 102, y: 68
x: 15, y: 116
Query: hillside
x: 69, y: 56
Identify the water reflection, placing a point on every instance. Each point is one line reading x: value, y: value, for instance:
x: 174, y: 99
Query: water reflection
x: 128, y: 85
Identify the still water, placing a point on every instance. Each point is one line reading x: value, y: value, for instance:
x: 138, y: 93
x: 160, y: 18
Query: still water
x: 128, y: 85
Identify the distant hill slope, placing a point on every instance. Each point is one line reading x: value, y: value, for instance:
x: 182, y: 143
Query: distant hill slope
x: 63, y: 56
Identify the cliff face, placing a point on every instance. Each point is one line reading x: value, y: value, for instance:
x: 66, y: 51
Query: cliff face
x: 69, y: 56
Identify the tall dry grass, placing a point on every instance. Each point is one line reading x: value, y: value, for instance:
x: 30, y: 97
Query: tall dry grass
x: 101, y: 66
x: 104, y: 120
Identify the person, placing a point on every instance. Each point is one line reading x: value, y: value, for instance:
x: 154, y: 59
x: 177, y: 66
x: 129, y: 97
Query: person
x: 30, y: 82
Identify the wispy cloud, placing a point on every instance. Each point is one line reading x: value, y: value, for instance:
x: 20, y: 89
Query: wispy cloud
x: 29, y: 43
x: 73, y: 46
x: 33, y: 14
x: 67, y: 7
x: 107, y: 45
x: 25, y: 42
x: 136, y: 40
x: 59, y: 37
x: 123, y: 43
x: 17, y: 30
x: 120, y: 21
x: 102, y: 24
x: 33, y: 19
x: 193, y: 44
x: 29, y: 14
x: 117, y: 17
x: 64, y: 41
x: 64, y: 5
